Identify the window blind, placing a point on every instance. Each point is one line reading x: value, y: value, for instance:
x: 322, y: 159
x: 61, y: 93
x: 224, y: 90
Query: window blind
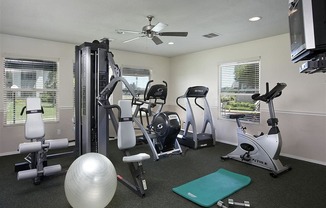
x: 29, y: 78
x: 238, y: 81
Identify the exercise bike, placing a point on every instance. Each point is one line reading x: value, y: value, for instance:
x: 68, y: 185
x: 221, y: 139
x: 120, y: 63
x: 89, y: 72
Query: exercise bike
x: 261, y: 150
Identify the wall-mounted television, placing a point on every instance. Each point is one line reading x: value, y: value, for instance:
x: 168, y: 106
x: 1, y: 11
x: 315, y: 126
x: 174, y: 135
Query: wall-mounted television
x: 307, y: 21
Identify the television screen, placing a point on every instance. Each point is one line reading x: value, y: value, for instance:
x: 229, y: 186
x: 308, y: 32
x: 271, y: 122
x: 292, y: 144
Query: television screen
x: 307, y: 23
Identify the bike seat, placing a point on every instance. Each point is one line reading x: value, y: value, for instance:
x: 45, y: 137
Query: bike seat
x: 236, y: 116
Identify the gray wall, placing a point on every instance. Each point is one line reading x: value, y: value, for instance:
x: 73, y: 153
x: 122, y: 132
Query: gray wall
x: 301, y: 109
x: 20, y: 47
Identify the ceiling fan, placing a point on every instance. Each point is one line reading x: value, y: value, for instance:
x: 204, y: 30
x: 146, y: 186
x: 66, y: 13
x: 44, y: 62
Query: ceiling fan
x: 152, y: 31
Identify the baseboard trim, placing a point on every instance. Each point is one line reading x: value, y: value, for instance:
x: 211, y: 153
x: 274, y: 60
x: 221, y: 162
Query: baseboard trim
x: 284, y: 154
x: 304, y: 159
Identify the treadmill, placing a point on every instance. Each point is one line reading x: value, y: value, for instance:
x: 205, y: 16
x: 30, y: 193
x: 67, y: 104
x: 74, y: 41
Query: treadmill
x: 195, y: 139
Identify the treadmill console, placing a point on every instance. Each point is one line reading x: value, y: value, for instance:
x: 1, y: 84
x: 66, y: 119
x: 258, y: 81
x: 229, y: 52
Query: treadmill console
x: 197, y: 91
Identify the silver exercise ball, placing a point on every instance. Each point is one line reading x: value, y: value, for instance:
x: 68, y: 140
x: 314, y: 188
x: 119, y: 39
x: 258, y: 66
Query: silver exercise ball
x: 91, y: 181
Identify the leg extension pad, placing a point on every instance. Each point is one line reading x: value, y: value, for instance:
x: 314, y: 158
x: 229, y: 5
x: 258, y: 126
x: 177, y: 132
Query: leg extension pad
x: 33, y: 173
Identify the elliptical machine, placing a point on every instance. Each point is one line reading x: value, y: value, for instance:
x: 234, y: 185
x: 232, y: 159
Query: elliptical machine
x: 154, y: 97
x: 164, y: 126
x: 261, y: 150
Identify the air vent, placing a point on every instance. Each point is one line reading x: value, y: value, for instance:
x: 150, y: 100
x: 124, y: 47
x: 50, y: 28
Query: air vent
x: 211, y: 35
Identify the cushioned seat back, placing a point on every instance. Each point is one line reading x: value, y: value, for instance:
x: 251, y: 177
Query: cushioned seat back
x: 34, y: 126
x: 126, y: 133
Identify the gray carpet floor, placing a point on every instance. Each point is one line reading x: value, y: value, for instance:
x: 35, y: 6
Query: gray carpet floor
x: 303, y: 186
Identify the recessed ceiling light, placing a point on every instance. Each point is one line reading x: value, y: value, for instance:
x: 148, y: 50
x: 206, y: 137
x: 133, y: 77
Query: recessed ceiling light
x: 254, y: 19
x: 171, y: 43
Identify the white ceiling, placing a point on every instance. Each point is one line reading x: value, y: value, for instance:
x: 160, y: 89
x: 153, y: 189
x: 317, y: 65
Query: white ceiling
x: 78, y: 21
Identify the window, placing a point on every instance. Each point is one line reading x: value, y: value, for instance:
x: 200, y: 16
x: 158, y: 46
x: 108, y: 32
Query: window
x: 29, y: 78
x: 238, y: 82
x: 137, y: 78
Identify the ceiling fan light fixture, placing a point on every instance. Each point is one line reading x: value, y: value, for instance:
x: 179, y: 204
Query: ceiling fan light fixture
x: 152, y: 31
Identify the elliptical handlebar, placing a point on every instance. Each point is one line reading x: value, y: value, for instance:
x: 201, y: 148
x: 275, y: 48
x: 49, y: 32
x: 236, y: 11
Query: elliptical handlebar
x: 156, y: 92
x: 146, y: 88
x: 166, y: 84
x: 270, y: 95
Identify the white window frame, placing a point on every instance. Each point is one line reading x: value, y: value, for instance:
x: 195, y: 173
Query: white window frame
x: 14, y: 98
x: 234, y: 96
x: 137, y: 73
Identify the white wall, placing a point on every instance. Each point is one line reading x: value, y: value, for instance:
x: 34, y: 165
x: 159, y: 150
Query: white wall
x: 301, y: 108
x: 20, y: 47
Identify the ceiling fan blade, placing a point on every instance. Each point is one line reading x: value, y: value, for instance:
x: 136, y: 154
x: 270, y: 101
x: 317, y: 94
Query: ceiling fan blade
x: 159, y: 26
x: 121, y: 31
x: 132, y: 39
x: 180, y: 34
x: 156, y: 40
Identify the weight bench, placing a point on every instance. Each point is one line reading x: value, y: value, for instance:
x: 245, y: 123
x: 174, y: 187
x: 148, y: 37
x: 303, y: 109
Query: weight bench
x: 38, y: 147
x: 126, y: 141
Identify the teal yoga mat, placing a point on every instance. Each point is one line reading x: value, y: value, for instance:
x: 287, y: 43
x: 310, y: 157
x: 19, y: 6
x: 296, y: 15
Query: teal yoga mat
x: 209, y: 189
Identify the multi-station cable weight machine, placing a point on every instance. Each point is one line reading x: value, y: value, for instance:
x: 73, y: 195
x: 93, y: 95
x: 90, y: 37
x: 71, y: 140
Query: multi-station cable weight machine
x: 91, y: 76
x: 94, y: 85
x: 93, y: 88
